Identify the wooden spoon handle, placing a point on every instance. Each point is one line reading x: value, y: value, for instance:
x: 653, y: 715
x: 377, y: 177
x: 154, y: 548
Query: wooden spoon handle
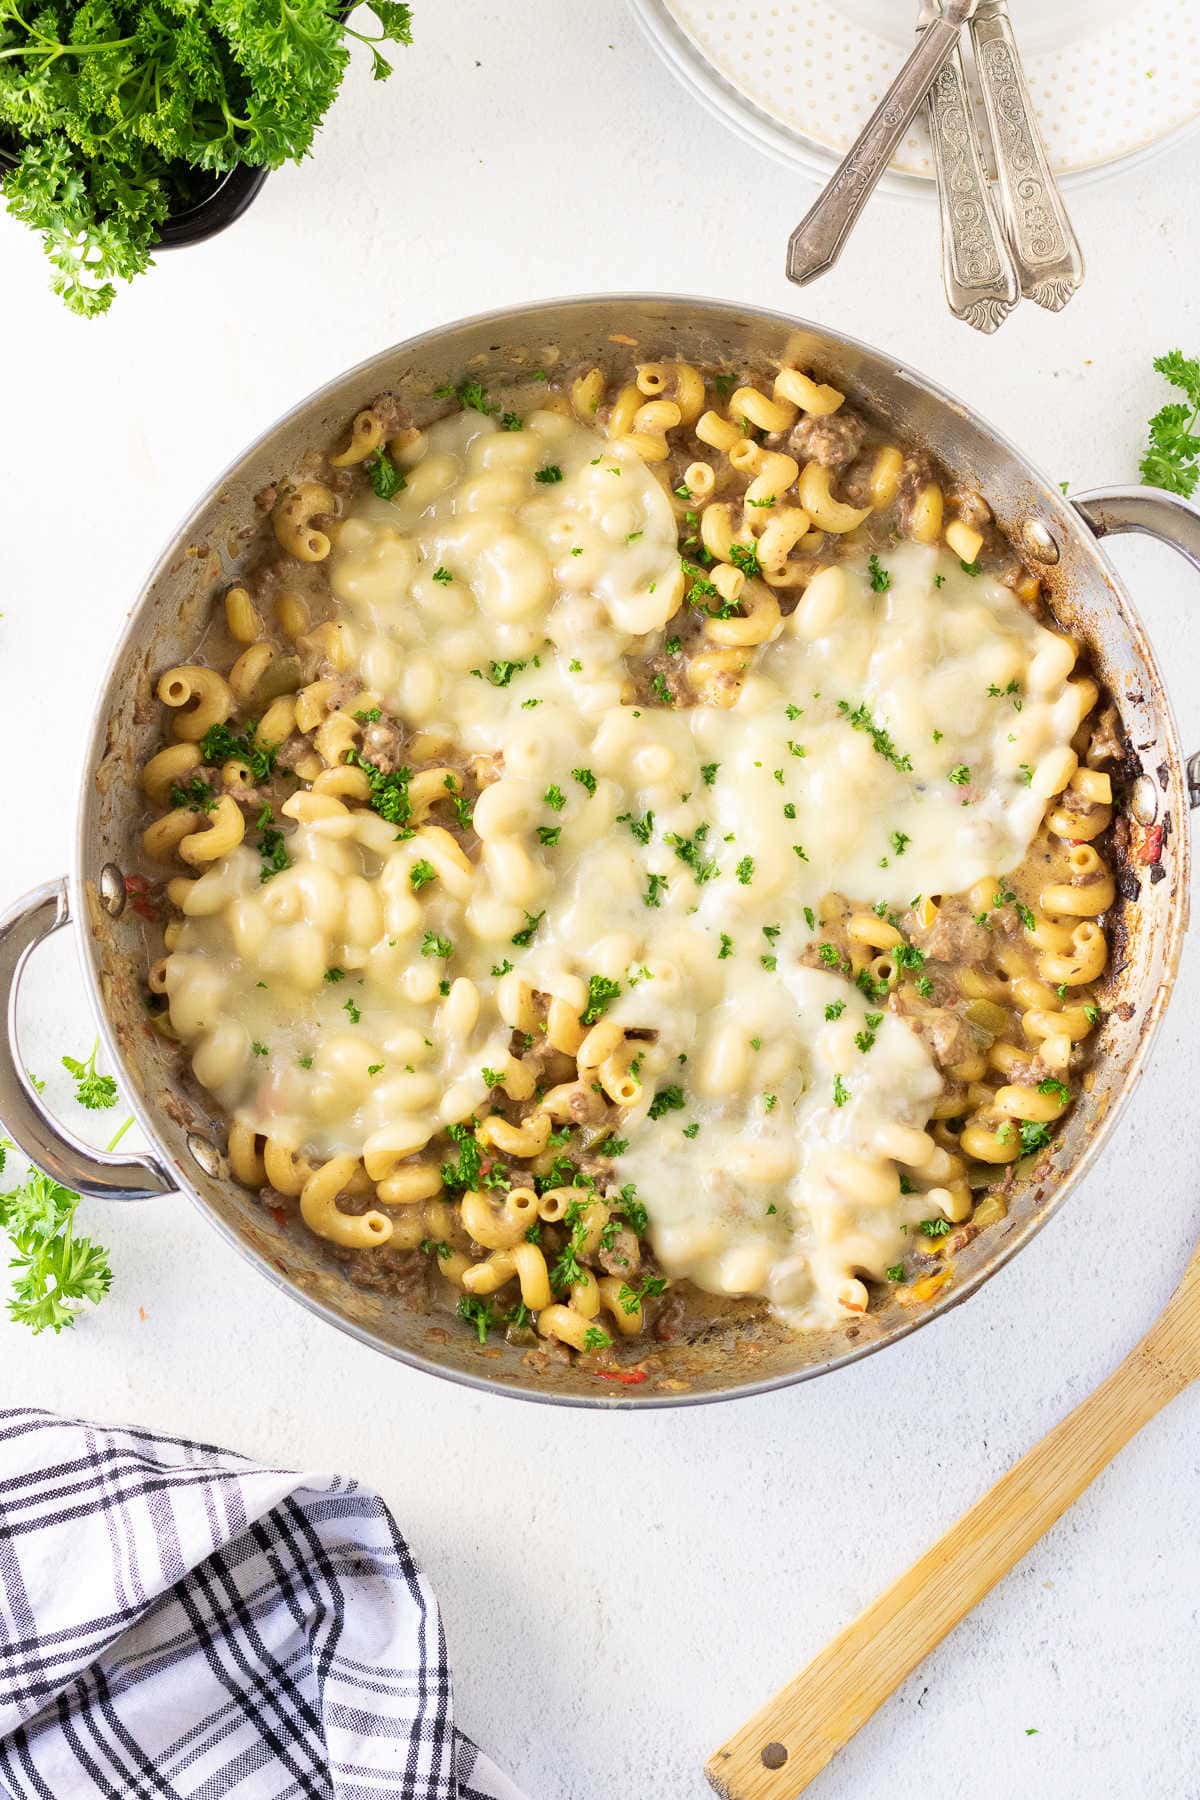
x: 775, y: 1754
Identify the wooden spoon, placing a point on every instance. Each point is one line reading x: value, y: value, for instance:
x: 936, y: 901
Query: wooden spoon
x: 775, y: 1754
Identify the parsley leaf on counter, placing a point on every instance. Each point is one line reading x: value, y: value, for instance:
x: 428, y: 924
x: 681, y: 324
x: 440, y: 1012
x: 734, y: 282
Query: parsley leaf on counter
x: 96, y: 1092
x: 1172, y: 456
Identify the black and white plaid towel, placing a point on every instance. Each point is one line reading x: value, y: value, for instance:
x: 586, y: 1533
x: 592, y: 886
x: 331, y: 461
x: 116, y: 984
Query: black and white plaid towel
x: 179, y: 1624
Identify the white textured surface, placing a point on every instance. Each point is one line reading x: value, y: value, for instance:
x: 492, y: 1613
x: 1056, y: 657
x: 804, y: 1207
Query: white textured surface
x: 619, y: 1592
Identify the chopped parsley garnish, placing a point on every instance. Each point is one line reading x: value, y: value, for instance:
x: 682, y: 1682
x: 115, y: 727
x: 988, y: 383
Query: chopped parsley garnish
x: 500, y: 673
x: 220, y: 745
x: 548, y: 474
x: 1059, y: 1089
x: 443, y: 575
x: 934, y: 1228
x: 835, y: 1009
x: 726, y: 947
x: 371, y: 716
x: 960, y: 775
x: 471, y: 396
x: 661, y: 688
x: 745, y: 871
x: 1034, y: 1136
x: 899, y: 840
x: 861, y: 719
x: 745, y: 558
x: 501, y: 968
x: 830, y: 955
x: 924, y: 986
x: 881, y: 579
x: 554, y: 798
x: 896, y: 1272
x: 841, y: 1093
x: 464, y: 1173
x: 549, y: 834
x: 511, y: 421
x: 690, y: 851
x: 585, y: 778
x: 335, y: 974
x: 421, y: 874
x: 1026, y: 916
x: 655, y: 888
x: 668, y: 1099
x: 257, y: 1049
x: 524, y: 937
x: 866, y: 984
x: 642, y: 828
x: 601, y: 994
x: 271, y: 846
x: 692, y: 1130
x: 596, y: 1339
x: 349, y: 1007
x: 389, y: 792
x: 907, y: 956
x: 1026, y: 775
x: 197, y: 796
x: 434, y: 944
x: 386, y: 479
x: 708, y: 773
x: 971, y: 568
x: 478, y: 1313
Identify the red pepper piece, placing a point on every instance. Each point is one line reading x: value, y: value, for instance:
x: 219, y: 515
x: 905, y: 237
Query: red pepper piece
x: 1152, y: 843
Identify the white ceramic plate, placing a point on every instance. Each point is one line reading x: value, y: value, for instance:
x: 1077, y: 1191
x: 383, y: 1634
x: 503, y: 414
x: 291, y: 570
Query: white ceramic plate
x: 1114, y: 81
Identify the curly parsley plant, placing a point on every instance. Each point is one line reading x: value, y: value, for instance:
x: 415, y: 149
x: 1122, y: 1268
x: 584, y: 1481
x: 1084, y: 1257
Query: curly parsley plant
x: 114, y: 113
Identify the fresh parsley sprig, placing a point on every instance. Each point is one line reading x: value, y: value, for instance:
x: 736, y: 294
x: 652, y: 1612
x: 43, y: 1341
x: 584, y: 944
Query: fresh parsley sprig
x: 1172, y: 457
x: 96, y: 1092
x: 55, y: 1272
x: 119, y: 110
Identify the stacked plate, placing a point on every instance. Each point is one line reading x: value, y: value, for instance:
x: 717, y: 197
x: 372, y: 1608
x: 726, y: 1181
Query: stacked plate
x: 1114, y: 81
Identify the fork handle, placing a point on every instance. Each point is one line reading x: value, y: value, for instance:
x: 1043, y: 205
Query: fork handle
x: 1045, y: 248
x: 778, y: 1752
x: 817, y: 241
x: 977, y: 267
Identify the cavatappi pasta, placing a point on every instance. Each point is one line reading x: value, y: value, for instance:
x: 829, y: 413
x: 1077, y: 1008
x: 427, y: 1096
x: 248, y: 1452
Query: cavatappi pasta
x: 637, y: 837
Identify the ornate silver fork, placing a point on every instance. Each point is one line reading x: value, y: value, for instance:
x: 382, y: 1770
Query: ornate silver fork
x: 817, y: 241
x: 1045, y: 248
x: 977, y: 269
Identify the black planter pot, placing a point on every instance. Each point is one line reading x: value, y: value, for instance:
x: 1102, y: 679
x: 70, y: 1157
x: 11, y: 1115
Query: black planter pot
x: 228, y: 200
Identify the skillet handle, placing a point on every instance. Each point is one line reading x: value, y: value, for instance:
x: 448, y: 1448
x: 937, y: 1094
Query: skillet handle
x: 1154, y: 513
x: 45, y: 1142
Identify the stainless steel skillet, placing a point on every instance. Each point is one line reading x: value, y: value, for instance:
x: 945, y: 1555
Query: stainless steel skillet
x: 742, y: 1355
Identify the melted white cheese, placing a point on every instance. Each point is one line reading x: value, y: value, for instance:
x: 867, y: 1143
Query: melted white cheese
x: 761, y: 1198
